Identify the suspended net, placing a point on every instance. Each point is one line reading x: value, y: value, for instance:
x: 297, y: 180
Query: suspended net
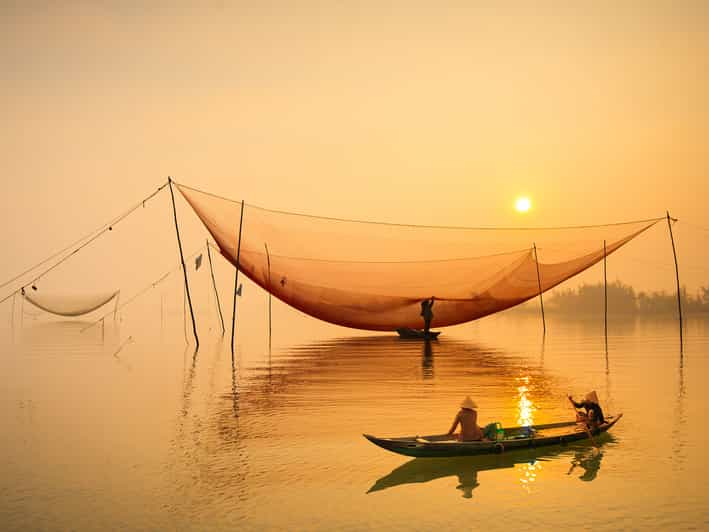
x: 374, y: 276
x: 70, y: 305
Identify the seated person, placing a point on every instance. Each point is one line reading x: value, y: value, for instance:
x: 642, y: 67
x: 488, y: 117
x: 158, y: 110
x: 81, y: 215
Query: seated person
x: 594, y: 413
x: 468, y: 420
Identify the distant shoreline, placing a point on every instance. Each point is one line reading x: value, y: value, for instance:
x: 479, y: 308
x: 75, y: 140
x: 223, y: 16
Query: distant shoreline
x: 623, y: 300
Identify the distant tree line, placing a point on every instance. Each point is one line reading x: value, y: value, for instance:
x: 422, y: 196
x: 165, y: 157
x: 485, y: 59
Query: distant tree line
x: 623, y: 299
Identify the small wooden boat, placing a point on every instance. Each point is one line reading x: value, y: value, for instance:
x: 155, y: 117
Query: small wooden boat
x: 442, y: 445
x: 417, y: 334
x: 466, y: 468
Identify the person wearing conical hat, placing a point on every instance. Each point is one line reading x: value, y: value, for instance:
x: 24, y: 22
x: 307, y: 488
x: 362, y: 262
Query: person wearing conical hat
x: 467, y: 418
x: 594, y: 413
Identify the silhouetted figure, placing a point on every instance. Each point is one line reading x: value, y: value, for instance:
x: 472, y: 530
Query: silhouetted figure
x: 594, y: 414
x: 427, y: 313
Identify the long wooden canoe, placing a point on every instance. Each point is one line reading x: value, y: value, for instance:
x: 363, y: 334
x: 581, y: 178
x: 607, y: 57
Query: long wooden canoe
x: 466, y: 468
x: 441, y: 445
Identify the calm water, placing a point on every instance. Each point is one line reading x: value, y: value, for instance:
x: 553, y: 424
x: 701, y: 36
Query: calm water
x: 126, y: 427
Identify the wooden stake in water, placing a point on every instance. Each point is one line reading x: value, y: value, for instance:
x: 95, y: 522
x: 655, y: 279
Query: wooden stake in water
x: 539, y: 283
x: 184, y: 268
x: 236, y: 279
x: 268, y: 262
x: 216, y: 292
x: 679, y: 298
x: 605, y: 295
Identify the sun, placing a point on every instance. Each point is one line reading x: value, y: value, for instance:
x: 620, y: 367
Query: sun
x: 523, y: 204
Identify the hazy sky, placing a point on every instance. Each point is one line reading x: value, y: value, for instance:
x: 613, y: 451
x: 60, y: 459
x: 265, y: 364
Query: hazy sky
x: 414, y: 112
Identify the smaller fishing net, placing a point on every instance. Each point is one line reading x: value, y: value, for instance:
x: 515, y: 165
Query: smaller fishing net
x: 70, y: 304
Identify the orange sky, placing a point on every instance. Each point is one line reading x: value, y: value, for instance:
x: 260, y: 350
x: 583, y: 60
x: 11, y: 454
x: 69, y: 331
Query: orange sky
x: 417, y: 112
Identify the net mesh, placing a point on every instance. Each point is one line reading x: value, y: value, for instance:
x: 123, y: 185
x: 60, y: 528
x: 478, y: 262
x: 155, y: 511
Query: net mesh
x: 374, y: 276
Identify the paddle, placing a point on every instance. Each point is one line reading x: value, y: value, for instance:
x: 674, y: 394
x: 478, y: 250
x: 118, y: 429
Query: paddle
x: 596, y: 450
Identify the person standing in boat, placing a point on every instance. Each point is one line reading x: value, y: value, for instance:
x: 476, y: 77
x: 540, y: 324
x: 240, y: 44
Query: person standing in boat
x: 427, y: 313
x: 468, y: 420
x: 594, y: 413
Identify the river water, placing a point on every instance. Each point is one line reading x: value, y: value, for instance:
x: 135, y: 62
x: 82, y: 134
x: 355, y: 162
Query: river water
x: 125, y: 426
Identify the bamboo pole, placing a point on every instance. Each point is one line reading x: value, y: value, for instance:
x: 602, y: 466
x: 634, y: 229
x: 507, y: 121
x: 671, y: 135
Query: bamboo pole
x: 216, y: 292
x: 679, y: 298
x: 268, y: 261
x: 539, y: 283
x: 605, y: 295
x: 184, y: 268
x: 236, y: 279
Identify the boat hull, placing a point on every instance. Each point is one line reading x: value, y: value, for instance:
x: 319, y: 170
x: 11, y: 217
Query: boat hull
x: 439, y: 446
x: 416, y: 334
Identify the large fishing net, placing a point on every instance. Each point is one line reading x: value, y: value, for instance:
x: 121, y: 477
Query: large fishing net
x: 374, y: 276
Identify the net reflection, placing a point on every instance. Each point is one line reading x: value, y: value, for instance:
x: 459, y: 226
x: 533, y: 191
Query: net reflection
x: 529, y: 462
x: 238, y: 413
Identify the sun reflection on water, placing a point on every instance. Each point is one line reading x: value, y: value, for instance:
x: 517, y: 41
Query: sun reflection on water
x: 528, y: 474
x: 525, y: 406
x: 525, y: 418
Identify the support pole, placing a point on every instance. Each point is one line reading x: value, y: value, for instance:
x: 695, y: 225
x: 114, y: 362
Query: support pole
x: 236, y: 279
x: 214, y: 285
x: 268, y: 261
x: 605, y: 295
x: 679, y: 298
x: 539, y: 283
x: 184, y: 268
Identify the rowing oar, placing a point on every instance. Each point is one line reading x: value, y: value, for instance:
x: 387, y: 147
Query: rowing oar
x: 596, y: 450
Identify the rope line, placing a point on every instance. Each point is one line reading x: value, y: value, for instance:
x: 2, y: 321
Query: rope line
x: 421, y: 226
x: 93, y: 235
x: 144, y: 290
x: 341, y: 261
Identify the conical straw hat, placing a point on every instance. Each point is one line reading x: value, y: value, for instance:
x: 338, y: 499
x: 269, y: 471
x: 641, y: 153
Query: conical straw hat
x: 592, y: 397
x: 468, y: 403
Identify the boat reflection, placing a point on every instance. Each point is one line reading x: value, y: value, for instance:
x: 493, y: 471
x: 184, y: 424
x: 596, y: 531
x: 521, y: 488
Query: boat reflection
x: 466, y: 469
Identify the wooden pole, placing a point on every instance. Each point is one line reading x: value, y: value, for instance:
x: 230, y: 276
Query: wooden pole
x: 539, y: 283
x: 268, y: 261
x: 236, y: 279
x: 216, y: 292
x: 679, y: 298
x: 605, y: 295
x: 184, y: 268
